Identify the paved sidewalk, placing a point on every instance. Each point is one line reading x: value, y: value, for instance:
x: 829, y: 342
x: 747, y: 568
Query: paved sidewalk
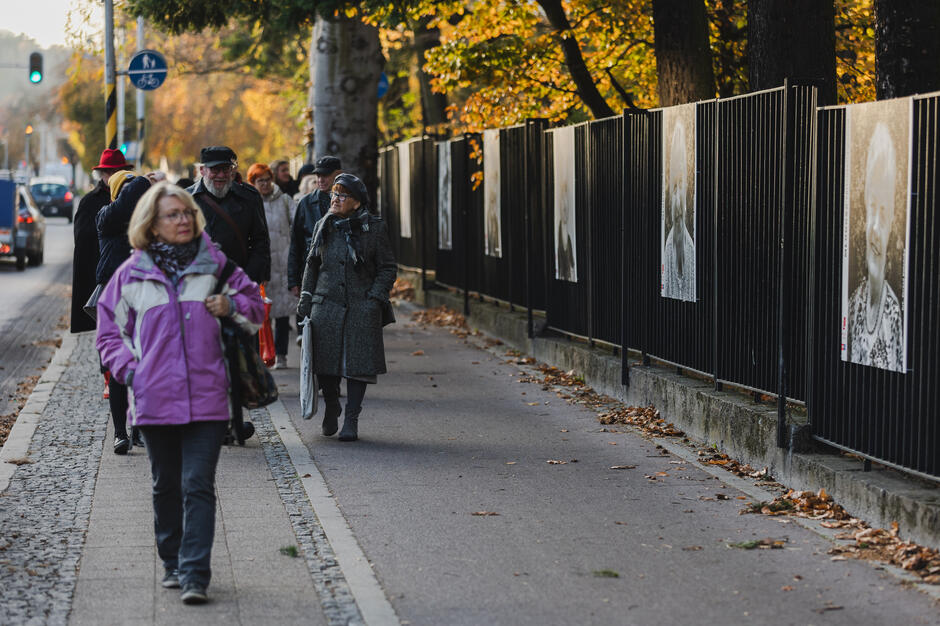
x: 390, y: 536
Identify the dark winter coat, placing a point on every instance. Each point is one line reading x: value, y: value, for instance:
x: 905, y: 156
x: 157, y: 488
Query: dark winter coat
x: 250, y: 247
x: 113, y: 220
x: 309, y: 210
x: 347, y: 300
x: 85, y: 254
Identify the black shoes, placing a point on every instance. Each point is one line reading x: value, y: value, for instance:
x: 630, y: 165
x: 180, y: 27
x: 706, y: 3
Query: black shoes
x: 121, y: 445
x: 172, y: 579
x: 194, y: 594
x: 137, y: 437
x: 350, y: 430
x: 332, y: 413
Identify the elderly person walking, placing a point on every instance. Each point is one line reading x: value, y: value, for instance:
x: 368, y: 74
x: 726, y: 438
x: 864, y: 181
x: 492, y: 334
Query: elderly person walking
x: 159, y: 334
x: 349, y: 272
x: 279, y: 213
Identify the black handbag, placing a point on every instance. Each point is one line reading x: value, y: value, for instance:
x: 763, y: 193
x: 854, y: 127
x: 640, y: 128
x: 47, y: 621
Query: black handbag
x: 253, y: 385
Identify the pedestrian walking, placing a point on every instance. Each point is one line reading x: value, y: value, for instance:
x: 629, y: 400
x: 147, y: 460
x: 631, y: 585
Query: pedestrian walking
x: 112, y: 221
x: 159, y: 333
x: 282, y: 177
x: 310, y: 209
x: 349, y: 272
x: 234, y: 212
x: 279, y: 213
x: 85, y: 232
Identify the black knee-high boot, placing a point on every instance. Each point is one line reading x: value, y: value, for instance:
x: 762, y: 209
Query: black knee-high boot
x: 356, y: 390
x: 332, y: 407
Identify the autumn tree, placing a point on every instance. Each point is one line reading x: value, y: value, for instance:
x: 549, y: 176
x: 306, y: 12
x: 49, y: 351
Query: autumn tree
x: 793, y: 39
x: 907, y: 44
x: 683, y: 54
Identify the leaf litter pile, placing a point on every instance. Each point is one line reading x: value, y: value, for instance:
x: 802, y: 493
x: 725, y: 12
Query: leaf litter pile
x: 402, y: 290
x: 874, y: 544
x: 864, y: 542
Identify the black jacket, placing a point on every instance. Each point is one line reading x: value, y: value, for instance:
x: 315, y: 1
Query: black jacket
x: 250, y: 247
x: 85, y: 255
x: 113, y: 220
x: 309, y: 210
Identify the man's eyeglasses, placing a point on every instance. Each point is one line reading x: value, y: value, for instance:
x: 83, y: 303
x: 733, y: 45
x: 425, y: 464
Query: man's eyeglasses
x: 179, y: 216
x: 339, y: 196
x: 223, y: 168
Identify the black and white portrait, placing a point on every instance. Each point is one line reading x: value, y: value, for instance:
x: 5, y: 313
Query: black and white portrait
x: 677, y: 242
x: 566, y: 267
x: 492, y: 225
x: 404, y: 189
x: 444, y: 197
x: 876, y: 207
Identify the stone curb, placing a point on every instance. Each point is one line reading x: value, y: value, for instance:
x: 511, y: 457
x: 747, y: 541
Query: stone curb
x: 17, y: 444
x: 744, y: 430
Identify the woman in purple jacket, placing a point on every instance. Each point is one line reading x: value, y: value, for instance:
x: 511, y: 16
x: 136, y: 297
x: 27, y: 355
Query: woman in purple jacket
x: 159, y: 333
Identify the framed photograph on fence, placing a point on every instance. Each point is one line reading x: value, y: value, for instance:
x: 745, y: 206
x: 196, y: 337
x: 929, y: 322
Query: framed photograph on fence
x: 404, y: 190
x: 677, y: 233
x: 444, y: 198
x: 875, y: 231
x: 566, y: 251
x: 492, y: 218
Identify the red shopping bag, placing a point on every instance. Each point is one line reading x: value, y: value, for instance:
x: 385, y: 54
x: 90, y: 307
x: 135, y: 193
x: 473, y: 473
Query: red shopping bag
x: 265, y: 336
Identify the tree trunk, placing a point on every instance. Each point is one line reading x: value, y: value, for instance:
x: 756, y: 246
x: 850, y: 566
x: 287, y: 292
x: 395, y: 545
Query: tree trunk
x: 433, y: 105
x: 574, y: 60
x: 345, y: 64
x: 792, y: 39
x: 683, y: 56
x: 907, y: 47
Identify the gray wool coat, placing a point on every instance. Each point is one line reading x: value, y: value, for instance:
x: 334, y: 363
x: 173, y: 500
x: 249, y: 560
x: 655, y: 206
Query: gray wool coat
x: 347, y: 301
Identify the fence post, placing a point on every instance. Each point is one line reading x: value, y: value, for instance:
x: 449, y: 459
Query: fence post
x: 624, y: 245
x: 786, y: 214
x: 533, y: 187
x: 465, y: 197
x: 715, y: 239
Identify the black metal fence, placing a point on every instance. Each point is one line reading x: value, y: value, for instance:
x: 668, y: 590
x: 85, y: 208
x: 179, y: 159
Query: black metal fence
x: 888, y: 415
x: 766, y: 236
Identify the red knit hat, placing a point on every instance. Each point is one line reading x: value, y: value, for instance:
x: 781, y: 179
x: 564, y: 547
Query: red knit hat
x: 112, y: 160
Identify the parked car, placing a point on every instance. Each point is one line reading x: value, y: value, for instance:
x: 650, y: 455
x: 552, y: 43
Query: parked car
x: 22, y: 225
x: 53, y: 196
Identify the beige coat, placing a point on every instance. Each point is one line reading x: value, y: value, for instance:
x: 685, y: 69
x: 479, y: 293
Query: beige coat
x: 279, y: 212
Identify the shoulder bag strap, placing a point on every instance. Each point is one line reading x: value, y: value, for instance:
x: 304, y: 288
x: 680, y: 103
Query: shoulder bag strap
x: 228, y: 218
x: 224, y: 276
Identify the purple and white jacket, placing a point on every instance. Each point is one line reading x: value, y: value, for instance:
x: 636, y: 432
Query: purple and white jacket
x: 163, y: 340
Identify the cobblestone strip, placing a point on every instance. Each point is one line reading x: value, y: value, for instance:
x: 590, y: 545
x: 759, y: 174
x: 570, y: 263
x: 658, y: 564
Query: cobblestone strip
x: 339, y: 605
x: 44, y: 511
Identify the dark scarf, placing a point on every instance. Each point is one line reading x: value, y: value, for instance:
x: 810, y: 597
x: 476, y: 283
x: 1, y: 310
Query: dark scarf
x: 351, y: 227
x: 172, y: 259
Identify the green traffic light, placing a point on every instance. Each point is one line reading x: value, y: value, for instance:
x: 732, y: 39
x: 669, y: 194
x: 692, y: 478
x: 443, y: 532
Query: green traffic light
x: 35, y: 77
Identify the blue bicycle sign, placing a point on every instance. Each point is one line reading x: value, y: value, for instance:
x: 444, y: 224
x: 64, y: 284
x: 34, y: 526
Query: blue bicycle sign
x: 147, y: 69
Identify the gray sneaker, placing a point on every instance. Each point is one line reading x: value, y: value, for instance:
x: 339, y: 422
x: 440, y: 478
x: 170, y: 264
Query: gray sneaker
x: 194, y: 594
x: 172, y: 579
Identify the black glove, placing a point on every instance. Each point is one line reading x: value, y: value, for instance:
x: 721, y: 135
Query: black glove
x: 305, y: 304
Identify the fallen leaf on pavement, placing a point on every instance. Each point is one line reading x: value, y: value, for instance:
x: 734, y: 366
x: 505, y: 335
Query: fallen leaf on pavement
x: 532, y: 403
x: 787, y: 588
x: 510, y: 462
x: 606, y: 573
x: 484, y: 513
x: 418, y: 353
x: 622, y: 467
x: 692, y: 548
x: 555, y: 462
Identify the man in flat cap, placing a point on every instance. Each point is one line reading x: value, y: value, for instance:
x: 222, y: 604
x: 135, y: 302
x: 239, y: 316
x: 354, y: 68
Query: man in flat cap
x: 310, y: 209
x: 234, y: 213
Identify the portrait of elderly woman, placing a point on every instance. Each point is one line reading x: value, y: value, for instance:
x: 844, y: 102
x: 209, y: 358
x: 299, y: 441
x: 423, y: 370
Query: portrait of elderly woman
x: 444, y: 197
x: 492, y: 226
x: 678, y: 204
x: 566, y: 267
x: 877, y: 149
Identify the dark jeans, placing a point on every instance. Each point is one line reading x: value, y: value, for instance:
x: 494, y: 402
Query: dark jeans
x: 281, y: 335
x: 182, y: 461
x: 117, y: 400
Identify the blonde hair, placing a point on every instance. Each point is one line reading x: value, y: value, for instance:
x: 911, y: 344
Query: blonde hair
x: 307, y: 184
x: 140, y: 231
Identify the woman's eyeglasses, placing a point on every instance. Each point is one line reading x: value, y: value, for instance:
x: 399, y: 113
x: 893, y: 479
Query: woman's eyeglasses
x: 339, y: 196
x: 179, y: 216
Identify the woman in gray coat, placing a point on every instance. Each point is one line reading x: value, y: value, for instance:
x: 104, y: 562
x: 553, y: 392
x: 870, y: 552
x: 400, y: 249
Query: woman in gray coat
x: 350, y: 270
